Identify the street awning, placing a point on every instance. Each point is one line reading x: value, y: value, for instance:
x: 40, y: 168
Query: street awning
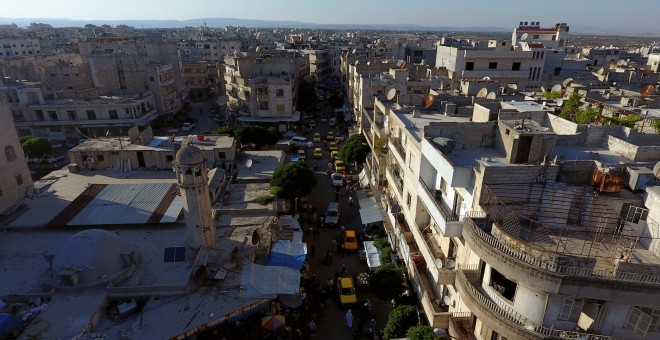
x: 364, y: 178
x: 370, y: 215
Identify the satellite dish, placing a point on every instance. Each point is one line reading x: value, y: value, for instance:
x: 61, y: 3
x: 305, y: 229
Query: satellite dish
x: 391, y: 93
x: 196, y: 168
x: 513, y: 86
x: 368, y: 63
x: 656, y: 170
x: 533, y: 93
x: 524, y: 36
x: 491, y: 95
x: 601, y: 71
x: 256, y: 237
x: 428, y: 100
x: 486, y: 78
x: 399, y: 63
x: 354, y: 51
x: 647, y: 90
x: 567, y: 82
x: 446, y: 300
x: 438, y: 263
x: 543, y: 89
x: 559, y: 102
x: 451, y: 263
x: 556, y: 88
x: 248, y: 163
x: 483, y: 92
x: 357, y: 62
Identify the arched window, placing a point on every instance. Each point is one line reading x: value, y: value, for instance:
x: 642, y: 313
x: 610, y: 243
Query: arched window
x: 10, y: 153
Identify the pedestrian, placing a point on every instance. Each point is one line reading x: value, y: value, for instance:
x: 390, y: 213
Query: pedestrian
x: 337, y: 195
x: 333, y: 245
x: 343, y: 269
x: 329, y: 166
x: 312, y: 327
x: 349, y: 319
x: 343, y: 250
x: 350, y: 201
x: 312, y: 249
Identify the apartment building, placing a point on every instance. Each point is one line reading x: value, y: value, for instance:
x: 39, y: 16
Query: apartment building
x: 71, y: 119
x: 16, y: 180
x: 555, y: 37
x: 262, y: 87
x: 196, y: 79
x: 19, y: 47
x: 514, y: 225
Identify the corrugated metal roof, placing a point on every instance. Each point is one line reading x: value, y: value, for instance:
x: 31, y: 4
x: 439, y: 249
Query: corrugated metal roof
x: 125, y: 204
x: 168, y: 317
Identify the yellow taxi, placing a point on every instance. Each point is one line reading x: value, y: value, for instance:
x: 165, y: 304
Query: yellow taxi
x: 317, y: 137
x: 339, y: 165
x: 347, y: 295
x: 330, y: 136
x: 318, y: 153
x: 334, y: 154
x: 350, y: 240
x: 312, y: 124
x: 333, y: 146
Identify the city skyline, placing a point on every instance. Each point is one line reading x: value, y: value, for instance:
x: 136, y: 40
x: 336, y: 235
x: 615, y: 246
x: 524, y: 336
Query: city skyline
x: 370, y: 12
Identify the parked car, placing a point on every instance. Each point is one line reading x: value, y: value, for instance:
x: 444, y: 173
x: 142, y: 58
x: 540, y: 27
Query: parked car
x: 337, y: 179
x: 350, y: 240
x: 332, y: 215
x: 330, y: 136
x: 333, y: 146
x: 346, y: 289
x: 187, y: 126
x: 340, y: 139
x: 301, y: 142
x: 317, y: 137
x: 334, y: 154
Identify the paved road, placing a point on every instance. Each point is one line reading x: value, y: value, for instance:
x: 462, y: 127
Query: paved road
x: 333, y: 325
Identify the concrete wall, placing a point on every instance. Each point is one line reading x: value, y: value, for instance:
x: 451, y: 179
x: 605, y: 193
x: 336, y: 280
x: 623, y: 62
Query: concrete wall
x: 464, y: 135
x: 576, y: 172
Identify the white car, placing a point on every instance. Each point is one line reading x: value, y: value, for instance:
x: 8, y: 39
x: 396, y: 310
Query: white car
x: 187, y: 126
x: 289, y: 134
x: 332, y: 215
x: 337, y: 179
x: 301, y: 142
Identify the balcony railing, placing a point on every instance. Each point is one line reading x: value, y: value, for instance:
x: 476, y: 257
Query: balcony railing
x: 437, y: 314
x: 505, y: 316
x: 396, y: 178
x: 399, y: 148
x: 446, y: 213
x: 537, y: 267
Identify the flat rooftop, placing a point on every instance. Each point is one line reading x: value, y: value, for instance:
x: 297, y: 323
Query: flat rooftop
x: 416, y: 124
x: 162, y: 143
x: 65, y: 187
x: 263, y: 165
x: 526, y: 106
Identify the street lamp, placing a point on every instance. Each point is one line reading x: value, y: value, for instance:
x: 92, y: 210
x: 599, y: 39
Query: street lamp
x: 295, y: 207
x: 443, y: 333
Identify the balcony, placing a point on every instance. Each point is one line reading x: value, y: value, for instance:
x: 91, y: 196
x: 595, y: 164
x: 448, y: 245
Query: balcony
x: 398, y: 150
x: 460, y: 326
x: 437, y: 314
x: 395, y: 178
x: 504, y: 319
x: 432, y: 252
x: 166, y: 81
x: 379, y: 128
x: 447, y: 222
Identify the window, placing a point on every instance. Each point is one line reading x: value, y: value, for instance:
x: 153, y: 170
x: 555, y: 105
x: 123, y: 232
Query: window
x: 10, y: 153
x: 507, y: 131
x: 535, y: 36
x: 557, y: 71
x: 571, y: 310
x: 655, y: 317
x: 91, y: 114
x: 515, y: 66
x: 221, y: 155
x: 502, y: 285
x: 638, y: 322
x: 113, y: 114
x: 469, y: 66
x: 40, y: 115
x: 72, y: 115
x: 280, y: 108
x: 443, y: 185
x: 279, y: 93
x: 492, y: 65
x: 263, y: 105
x: 409, y: 199
x: 52, y: 115
x: 19, y: 180
x: 635, y: 214
x: 99, y: 158
x: 169, y: 158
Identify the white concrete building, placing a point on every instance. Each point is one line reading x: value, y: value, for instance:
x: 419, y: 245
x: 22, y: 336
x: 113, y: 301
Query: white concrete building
x: 19, y: 47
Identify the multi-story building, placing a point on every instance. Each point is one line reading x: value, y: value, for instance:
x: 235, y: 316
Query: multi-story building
x: 19, y: 47
x: 262, y: 87
x: 16, y: 181
x: 195, y: 78
x: 68, y: 119
x: 555, y: 37
x: 504, y: 237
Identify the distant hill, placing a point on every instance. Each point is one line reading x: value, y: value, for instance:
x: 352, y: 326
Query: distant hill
x: 222, y: 22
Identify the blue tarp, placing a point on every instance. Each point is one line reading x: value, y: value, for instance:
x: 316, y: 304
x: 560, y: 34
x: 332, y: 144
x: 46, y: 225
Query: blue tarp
x: 288, y: 254
x: 8, y: 323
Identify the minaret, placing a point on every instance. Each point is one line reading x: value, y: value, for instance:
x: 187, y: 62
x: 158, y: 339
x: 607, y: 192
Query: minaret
x: 193, y: 184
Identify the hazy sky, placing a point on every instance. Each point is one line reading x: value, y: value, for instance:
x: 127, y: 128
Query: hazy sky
x: 619, y: 14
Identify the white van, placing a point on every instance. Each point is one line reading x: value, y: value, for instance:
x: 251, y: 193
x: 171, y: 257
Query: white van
x: 301, y: 142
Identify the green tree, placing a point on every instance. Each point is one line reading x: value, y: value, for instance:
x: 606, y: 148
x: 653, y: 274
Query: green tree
x: 627, y: 121
x: 257, y: 135
x: 387, y: 282
x: 420, y: 332
x: 585, y: 116
x: 292, y: 180
x: 551, y: 95
x: 656, y: 125
x: 401, y: 319
x: 571, y: 107
x: 37, y: 147
x: 224, y: 130
x: 24, y: 139
x: 355, y: 149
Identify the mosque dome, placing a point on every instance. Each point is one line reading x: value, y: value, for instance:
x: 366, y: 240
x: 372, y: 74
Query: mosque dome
x: 189, y: 155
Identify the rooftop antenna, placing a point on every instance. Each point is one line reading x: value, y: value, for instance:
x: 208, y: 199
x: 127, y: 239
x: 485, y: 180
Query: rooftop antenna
x: 483, y: 92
